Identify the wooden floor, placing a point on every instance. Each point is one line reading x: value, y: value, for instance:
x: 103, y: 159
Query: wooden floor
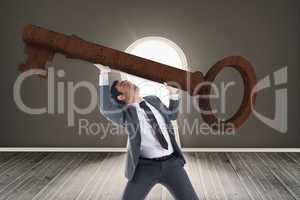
x: 100, y: 176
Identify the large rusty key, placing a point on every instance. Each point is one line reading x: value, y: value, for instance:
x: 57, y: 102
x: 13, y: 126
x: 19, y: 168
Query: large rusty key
x: 42, y: 44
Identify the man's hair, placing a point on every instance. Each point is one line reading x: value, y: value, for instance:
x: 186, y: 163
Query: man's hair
x: 115, y: 93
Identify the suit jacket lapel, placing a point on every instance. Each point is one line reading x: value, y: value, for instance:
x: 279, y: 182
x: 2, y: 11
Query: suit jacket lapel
x: 158, y: 105
x: 133, y: 123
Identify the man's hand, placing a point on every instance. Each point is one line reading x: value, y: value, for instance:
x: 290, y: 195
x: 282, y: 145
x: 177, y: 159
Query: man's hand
x: 103, y: 68
x: 171, y: 90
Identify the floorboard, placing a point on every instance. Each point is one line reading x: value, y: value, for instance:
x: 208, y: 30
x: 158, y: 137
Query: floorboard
x: 91, y: 176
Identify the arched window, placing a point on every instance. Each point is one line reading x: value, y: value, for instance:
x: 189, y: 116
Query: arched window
x: 161, y: 50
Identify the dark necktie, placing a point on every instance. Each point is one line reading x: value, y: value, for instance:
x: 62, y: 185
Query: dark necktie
x: 160, y: 137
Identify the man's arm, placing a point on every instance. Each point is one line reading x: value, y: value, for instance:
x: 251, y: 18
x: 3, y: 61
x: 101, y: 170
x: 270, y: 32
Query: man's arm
x: 174, y: 106
x: 110, y: 110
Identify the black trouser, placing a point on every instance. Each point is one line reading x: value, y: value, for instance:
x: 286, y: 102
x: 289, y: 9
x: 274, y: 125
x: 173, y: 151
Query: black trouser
x: 169, y: 173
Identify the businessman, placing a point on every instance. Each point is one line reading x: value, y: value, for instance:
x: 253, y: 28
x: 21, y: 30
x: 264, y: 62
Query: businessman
x: 153, y: 155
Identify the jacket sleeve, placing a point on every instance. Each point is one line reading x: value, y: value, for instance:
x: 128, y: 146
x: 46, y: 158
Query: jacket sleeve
x: 173, y: 108
x: 112, y: 111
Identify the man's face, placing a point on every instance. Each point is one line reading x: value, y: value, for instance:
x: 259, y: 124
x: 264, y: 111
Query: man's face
x: 128, y: 89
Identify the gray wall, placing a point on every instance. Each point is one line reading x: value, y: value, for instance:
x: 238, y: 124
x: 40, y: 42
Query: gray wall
x: 265, y: 32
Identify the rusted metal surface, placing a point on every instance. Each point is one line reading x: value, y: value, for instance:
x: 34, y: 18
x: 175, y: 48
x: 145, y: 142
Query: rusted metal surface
x: 42, y: 44
x: 249, y: 79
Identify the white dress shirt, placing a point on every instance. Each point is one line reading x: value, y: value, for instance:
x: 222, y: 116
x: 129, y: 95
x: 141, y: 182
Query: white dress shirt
x: 150, y: 146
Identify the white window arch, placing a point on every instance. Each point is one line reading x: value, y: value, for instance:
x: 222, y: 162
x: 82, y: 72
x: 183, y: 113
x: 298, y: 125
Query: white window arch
x: 161, y: 50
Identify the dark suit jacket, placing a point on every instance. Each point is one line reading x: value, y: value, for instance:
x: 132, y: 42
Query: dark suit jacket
x: 127, y: 117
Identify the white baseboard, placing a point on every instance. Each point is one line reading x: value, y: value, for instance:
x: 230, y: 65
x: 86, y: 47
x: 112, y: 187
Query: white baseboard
x: 241, y: 149
x: 71, y: 149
